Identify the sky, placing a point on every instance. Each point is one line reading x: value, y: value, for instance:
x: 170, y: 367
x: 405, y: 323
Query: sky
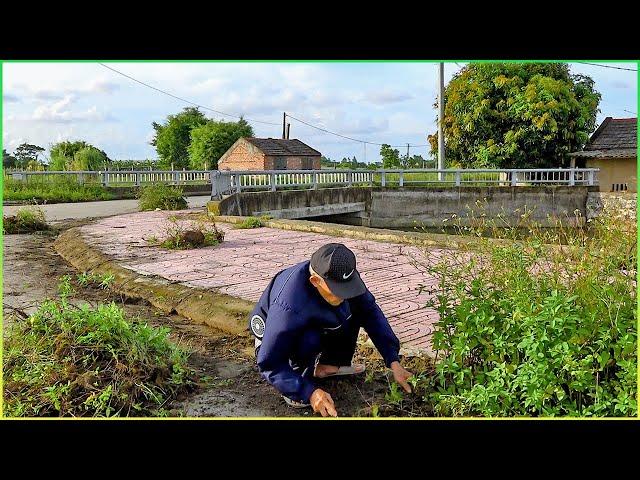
x: 44, y: 103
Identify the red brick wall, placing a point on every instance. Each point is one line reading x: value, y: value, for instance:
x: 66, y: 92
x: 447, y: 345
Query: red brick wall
x: 293, y: 163
x: 243, y: 157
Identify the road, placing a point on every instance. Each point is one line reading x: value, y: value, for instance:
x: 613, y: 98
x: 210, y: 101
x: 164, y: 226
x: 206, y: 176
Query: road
x: 65, y: 211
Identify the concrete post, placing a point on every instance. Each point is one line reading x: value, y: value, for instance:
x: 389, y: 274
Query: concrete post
x: 384, y: 179
x: 315, y: 181
x: 401, y: 182
x: 349, y: 178
x: 458, y: 178
x: 272, y: 181
x: 572, y: 177
x: 238, y: 182
x: 591, y: 175
x: 137, y: 179
x: 514, y: 179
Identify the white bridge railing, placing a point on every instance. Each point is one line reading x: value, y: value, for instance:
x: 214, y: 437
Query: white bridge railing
x: 227, y: 182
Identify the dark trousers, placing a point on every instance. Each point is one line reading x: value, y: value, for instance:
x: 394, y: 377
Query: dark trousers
x: 337, y: 346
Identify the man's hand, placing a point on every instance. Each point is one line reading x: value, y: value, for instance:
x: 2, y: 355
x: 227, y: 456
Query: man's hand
x: 322, y: 402
x: 401, y: 375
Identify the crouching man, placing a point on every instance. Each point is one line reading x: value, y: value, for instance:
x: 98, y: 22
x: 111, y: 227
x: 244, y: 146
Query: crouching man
x: 306, y: 325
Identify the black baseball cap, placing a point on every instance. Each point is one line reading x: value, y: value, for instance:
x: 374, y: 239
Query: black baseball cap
x: 336, y: 264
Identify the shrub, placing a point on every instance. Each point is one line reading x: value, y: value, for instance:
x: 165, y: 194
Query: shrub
x: 542, y: 326
x: 163, y: 197
x: 27, y: 219
x: 90, y: 362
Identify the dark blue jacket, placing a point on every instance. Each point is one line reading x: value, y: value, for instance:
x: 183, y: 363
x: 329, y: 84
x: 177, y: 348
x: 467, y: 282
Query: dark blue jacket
x: 296, y: 315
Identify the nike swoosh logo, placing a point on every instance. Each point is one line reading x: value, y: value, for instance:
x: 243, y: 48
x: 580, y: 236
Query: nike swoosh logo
x: 345, y: 276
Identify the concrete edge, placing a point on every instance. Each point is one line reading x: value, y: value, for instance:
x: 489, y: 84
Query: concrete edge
x: 361, y: 233
x: 200, y: 305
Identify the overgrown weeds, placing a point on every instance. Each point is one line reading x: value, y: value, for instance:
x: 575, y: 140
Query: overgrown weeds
x: 194, y: 234
x: 90, y: 362
x: 540, y: 325
x: 26, y: 220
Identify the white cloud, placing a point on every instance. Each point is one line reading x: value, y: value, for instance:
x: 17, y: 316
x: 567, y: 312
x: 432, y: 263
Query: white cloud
x: 10, y: 98
x: 59, y: 112
x: 384, y: 97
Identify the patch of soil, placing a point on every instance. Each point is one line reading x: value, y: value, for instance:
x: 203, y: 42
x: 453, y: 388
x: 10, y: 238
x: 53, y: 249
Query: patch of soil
x: 232, y: 385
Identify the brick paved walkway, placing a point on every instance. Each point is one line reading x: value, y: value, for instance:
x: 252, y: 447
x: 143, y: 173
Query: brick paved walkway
x: 245, y: 262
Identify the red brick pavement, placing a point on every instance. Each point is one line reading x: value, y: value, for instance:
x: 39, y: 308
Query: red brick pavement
x: 246, y: 261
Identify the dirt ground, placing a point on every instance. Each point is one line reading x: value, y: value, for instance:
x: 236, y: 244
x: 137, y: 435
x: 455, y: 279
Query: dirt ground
x: 32, y: 270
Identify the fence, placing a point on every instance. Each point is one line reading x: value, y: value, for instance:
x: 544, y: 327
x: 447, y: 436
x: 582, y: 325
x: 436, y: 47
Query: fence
x: 226, y: 182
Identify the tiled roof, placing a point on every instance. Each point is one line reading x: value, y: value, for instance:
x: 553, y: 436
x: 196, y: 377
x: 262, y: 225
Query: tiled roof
x: 279, y: 146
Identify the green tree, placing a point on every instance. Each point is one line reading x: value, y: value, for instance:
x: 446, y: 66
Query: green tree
x: 390, y: 157
x: 172, y: 138
x: 8, y: 160
x: 26, y: 153
x: 77, y: 155
x: 89, y: 158
x: 212, y: 139
x: 516, y: 115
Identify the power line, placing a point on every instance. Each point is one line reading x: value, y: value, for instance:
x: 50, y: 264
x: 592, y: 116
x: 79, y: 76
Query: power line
x: 249, y: 119
x: 609, y: 66
x: 346, y: 137
x: 629, y: 111
x: 183, y: 99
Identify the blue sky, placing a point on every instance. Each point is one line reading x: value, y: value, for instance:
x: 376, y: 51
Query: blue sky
x: 44, y: 103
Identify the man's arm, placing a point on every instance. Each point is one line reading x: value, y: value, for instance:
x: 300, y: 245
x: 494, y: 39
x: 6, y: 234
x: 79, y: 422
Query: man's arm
x: 281, y: 332
x: 377, y: 326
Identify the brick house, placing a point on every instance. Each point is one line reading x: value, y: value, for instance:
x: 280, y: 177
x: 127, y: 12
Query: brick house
x: 613, y: 148
x: 250, y: 153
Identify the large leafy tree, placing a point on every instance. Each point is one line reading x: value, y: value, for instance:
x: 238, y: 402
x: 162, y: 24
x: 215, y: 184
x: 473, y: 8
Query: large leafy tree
x: 27, y: 154
x: 390, y: 157
x: 173, y: 137
x: 516, y: 115
x: 211, y: 140
x: 77, y: 155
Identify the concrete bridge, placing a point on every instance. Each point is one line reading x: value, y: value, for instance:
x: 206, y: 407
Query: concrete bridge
x: 408, y: 207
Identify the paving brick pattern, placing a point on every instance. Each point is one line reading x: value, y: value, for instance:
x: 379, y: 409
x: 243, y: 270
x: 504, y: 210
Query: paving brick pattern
x: 245, y: 262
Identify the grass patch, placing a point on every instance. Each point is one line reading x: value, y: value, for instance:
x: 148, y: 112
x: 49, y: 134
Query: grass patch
x: 161, y: 197
x: 194, y: 234
x: 26, y: 220
x: 90, y: 362
x: 252, y: 222
x: 53, y: 190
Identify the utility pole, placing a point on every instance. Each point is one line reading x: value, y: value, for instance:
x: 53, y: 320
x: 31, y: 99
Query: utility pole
x: 441, y: 120
x: 407, y: 161
x: 364, y: 144
x: 284, y: 125
x: 288, y: 130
